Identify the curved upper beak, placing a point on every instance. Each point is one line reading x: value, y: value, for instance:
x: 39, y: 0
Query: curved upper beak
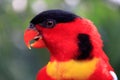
x: 31, y: 34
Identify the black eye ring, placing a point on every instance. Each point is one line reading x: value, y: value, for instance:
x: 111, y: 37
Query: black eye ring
x: 49, y: 23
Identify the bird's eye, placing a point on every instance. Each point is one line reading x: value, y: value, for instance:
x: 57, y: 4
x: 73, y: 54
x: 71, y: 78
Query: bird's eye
x: 31, y: 25
x: 49, y: 23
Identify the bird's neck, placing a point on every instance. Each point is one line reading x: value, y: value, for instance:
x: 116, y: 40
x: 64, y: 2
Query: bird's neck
x: 66, y: 55
x: 62, y: 56
x: 57, y: 69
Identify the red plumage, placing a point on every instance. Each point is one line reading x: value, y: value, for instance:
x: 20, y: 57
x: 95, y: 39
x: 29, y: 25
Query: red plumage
x: 62, y: 42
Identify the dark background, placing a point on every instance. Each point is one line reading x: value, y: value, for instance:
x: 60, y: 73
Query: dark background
x: 19, y: 63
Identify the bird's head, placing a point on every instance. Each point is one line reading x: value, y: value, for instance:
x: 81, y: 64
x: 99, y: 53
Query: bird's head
x: 63, y: 33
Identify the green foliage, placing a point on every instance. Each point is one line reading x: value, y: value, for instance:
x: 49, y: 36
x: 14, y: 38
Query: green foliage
x: 18, y: 63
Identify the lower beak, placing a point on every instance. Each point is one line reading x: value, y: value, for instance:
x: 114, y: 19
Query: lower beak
x: 33, y: 35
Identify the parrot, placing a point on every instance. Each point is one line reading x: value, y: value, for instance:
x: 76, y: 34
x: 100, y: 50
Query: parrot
x: 75, y: 47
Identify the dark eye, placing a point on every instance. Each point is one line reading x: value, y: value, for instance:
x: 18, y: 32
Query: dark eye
x: 49, y: 23
x: 31, y: 25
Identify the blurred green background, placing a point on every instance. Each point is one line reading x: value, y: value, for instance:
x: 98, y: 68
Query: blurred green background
x: 19, y: 63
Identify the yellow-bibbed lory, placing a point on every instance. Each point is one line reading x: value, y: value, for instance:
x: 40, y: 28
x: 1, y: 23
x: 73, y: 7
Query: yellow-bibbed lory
x: 74, y: 44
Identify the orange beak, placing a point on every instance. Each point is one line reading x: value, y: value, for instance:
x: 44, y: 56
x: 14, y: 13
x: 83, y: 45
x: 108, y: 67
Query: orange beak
x: 31, y: 34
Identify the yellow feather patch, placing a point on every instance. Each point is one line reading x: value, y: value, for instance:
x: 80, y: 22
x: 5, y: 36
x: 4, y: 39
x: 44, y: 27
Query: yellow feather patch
x: 72, y: 70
